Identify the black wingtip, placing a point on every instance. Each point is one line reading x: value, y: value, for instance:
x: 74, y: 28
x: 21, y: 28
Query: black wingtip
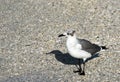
x: 104, y: 47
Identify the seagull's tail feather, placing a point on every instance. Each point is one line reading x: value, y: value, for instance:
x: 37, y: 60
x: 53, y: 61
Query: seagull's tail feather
x: 104, y: 47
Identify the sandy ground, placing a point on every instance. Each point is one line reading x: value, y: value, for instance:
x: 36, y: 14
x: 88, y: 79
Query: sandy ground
x: 29, y: 29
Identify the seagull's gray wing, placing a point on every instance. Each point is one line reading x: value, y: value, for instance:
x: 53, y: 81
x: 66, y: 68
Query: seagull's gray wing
x: 88, y: 46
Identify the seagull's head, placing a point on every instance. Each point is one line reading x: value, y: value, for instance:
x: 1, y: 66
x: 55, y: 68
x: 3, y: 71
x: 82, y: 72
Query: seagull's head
x: 68, y: 34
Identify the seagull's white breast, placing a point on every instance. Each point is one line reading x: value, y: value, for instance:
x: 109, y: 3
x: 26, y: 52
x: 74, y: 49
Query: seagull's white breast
x: 75, y: 48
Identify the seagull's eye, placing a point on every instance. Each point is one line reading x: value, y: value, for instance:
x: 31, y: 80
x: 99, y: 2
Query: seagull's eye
x: 68, y: 33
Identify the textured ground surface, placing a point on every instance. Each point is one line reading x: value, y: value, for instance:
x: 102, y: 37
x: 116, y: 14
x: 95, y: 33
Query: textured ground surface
x: 29, y: 30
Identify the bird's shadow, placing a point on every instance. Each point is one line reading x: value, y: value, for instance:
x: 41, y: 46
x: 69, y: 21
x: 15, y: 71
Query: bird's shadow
x: 65, y: 58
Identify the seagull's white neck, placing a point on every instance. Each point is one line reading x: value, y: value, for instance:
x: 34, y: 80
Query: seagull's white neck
x: 71, y: 40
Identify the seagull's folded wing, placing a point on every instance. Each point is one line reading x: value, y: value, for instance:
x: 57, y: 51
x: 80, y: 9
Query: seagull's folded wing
x: 88, y: 46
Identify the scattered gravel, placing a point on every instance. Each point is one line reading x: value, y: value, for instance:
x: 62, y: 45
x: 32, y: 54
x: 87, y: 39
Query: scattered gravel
x: 29, y: 29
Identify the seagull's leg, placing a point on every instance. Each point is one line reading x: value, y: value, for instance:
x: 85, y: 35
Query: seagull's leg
x: 79, y: 68
x: 83, y: 69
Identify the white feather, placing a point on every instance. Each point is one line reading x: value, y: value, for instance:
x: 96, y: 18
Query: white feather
x: 75, y: 48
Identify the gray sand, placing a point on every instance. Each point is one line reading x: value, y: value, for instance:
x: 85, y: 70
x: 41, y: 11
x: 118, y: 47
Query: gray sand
x: 29, y: 29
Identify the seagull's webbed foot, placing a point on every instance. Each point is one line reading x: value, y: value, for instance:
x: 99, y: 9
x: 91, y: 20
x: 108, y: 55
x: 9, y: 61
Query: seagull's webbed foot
x: 82, y: 73
x: 77, y: 71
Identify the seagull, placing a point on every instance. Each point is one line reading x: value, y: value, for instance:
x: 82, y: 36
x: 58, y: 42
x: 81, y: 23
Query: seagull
x: 80, y: 49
